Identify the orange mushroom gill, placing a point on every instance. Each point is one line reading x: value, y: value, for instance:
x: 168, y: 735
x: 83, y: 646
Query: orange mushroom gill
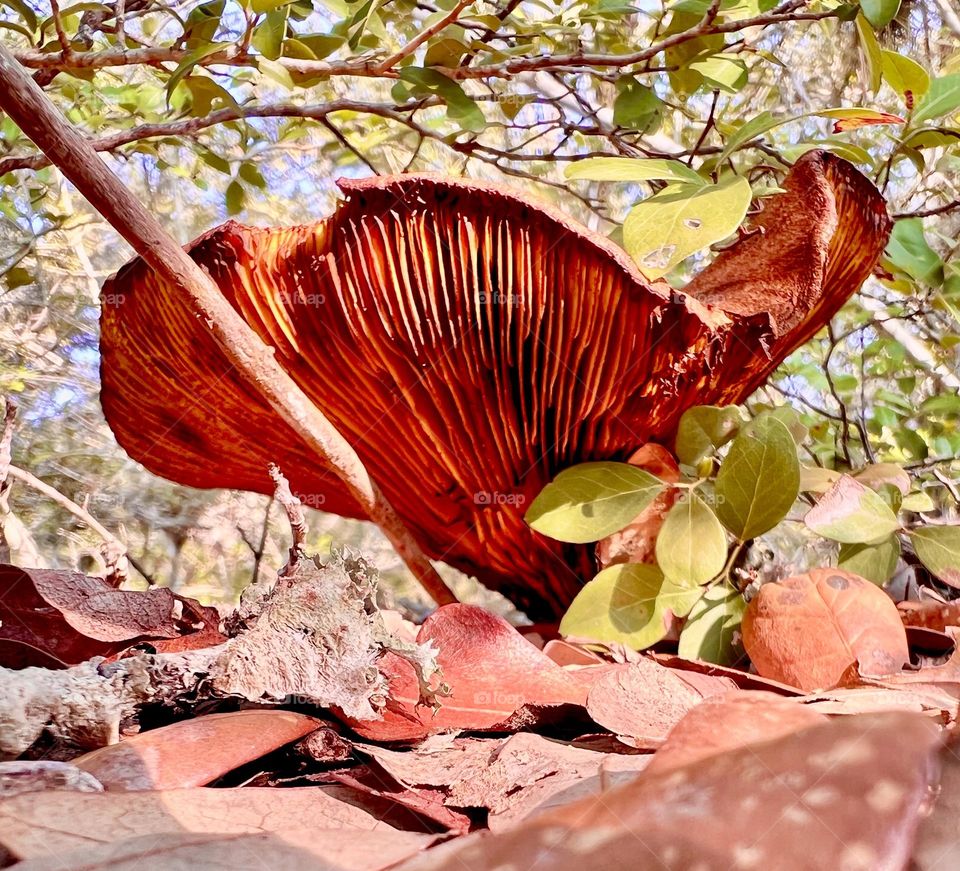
x: 471, y: 343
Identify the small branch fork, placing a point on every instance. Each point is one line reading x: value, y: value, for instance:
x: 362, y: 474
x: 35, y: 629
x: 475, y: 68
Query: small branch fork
x: 26, y: 104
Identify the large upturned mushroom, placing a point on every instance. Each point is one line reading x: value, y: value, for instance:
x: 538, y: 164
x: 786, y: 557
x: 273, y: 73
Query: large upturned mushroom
x: 471, y: 343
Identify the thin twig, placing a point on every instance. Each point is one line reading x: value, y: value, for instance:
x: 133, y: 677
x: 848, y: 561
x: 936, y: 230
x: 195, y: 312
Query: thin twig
x: 293, y: 508
x: 62, y: 38
x: 109, y: 539
x: 423, y: 36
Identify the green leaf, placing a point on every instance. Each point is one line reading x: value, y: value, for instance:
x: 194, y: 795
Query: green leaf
x: 721, y: 71
x: 632, y: 169
x: 851, y: 513
x: 319, y: 45
x: 251, y: 175
x: 918, y: 502
x: 190, y: 61
x: 704, y: 428
x: 880, y: 12
x: 461, y: 109
x: 268, y: 34
x: 262, y: 6
x: 627, y: 604
x: 712, y: 630
x: 904, y: 75
x: 943, y: 98
x: 202, y: 23
x: 17, y: 28
x: 24, y: 11
x: 593, y: 500
x: 875, y: 562
x: 277, y: 72
x: 235, y: 197
x: 909, y: 252
x: 938, y: 548
x: 636, y: 106
x: 691, y: 545
x: 751, y: 130
x: 813, y: 479
x: 759, y: 479
x: 871, y: 51
x: 681, y: 220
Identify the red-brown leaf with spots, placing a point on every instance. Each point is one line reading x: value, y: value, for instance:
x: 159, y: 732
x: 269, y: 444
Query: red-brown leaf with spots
x: 811, y: 629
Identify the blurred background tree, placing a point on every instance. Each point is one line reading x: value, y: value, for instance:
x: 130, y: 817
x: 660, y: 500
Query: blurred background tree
x: 252, y: 108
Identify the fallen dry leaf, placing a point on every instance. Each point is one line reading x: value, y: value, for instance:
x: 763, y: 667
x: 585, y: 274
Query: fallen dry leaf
x: 565, y: 653
x: 726, y: 722
x: 194, y: 752
x: 810, y: 629
x: 529, y: 772
x: 930, y: 614
x: 642, y: 701
x: 843, y: 795
x: 53, y: 618
x: 492, y: 670
x: 415, y: 808
x: 302, y: 849
x: 742, y: 679
x: 460, y: 759
x: 636, y: 541
x: 50, y: 823
x: 511, y: 778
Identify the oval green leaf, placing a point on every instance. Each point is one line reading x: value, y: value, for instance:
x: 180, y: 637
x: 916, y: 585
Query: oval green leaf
x: 627, y: 604
x: 938, y: 548
x: 588, y: 502
x: 875, y: 562
x: 880, y: 12
x: 759, y: 480
x: 942, y: 99
x: 705, y: 428
x: 691, y: 546
x: 712, y: 631
x: 904, y: 75
x: 681, y: 220
x: 851, y: 513
x: 632, y: 169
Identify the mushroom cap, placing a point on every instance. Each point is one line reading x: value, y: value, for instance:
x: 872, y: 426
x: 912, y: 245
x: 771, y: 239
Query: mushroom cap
x: 470, y: 343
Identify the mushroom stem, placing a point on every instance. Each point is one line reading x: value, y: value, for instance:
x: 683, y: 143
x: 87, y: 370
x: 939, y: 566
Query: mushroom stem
x: 24, y: 101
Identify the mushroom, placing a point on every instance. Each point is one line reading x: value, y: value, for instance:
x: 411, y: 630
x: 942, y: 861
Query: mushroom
x: 471, y: 343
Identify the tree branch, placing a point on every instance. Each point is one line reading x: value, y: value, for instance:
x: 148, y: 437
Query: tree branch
x: 582, y: 62
x: 28, y: 106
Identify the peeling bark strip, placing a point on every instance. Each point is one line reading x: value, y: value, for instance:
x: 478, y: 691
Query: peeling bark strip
x: 470, y: 344
x: 251, y: 362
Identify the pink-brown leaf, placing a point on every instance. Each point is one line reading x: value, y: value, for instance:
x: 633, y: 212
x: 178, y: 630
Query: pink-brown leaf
x: 194, y: 752
x: 811, y: 629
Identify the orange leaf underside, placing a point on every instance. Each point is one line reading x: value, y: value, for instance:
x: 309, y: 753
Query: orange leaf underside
x: 470, y: 344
